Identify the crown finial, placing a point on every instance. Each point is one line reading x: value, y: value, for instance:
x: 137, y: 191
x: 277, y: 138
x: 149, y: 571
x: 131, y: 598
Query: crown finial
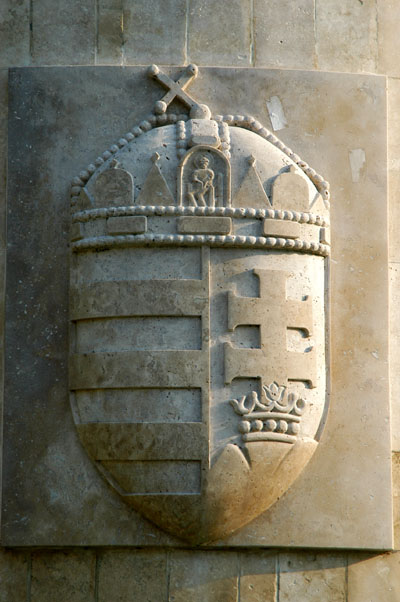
x: 177, y: 89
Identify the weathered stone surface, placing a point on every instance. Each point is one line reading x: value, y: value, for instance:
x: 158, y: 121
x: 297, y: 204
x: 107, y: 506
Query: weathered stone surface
x: 394, y: 290
x: 290, y: 192
x: 132, y: 575
x: 51, y: 429
x: 352, y: 273
x: 396, y: 497
x: 373, y: 579
x: 394, y: 167
x: 154, y: 31
x: 394, y: 251
x: 346, y: 35
x: 272, y: 227
x: 258, y: 579
x: 284, y: 34
x: 114, y: 188
x: 154, y: 351
x: 251, y: 192
x: 13, y: 576
x: 203, y: 577
x: 3, y: 171
x: 154, y: 190
x: 45, y: 356
x: 63, y: 34
x: 63, y: 576
x: 110, y: 37
x: 312, y: 577
x: 218, y: 36
x: 14, y: 33
x: 204, y: 225
x: 388, y: 14
x: 126, y: 225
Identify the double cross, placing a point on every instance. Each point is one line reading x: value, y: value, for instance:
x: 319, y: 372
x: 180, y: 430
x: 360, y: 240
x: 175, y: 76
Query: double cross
x: 176, y: 89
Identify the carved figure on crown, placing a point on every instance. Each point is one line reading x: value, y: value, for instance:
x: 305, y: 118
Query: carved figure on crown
x: 204, y: 178
x: 202, y: 193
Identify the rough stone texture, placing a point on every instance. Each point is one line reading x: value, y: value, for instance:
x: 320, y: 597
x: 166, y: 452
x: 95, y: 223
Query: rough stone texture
x: 284, y: 34
x: 110, y: 32
x: 63, y: 34
x: 394, y: 167
x: 63, y: 576
x: 388, y: 15
x: 46, y: 355
x: 203, y: 577
x: 16, y: 51
x: 154, y: 32
x: 355, y: 378
x: 394, y: 287
x: 258, y: 582
x: 14, y: 33
x: 13, y: 576
x: 3, y: 173
x: 394, y: 252
x: 351, y: 273
x: 312, y: 577
x: 346, y: 35
x: 132, y: 575
x: 396, y: 498
x: 373, y: 579
x: 218, y: 35
x: 3, y: 170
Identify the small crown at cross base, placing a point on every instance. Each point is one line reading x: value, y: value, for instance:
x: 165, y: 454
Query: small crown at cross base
x: 274, y: 416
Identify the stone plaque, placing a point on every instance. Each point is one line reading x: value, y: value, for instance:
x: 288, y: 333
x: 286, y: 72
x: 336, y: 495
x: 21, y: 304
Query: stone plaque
x: 196, y: 286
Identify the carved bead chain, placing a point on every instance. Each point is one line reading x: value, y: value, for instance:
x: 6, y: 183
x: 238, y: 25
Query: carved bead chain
x: 181, y: 139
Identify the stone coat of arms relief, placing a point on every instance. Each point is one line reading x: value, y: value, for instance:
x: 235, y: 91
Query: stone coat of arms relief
x: 198, y: 355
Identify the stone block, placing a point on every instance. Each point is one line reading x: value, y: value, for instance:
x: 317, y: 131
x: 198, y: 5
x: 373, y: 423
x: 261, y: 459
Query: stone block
x: 218, y: 35
x: 394, y: 290
x: 126, y: 225
x: 154, y: 31
x: 394, y: 167
x: 258, y: 579
x: 346, y: 35
x: 374, y: 578
x: 63, y: 34
x: 312, y: 577
x: 132, y: 575
x: 63, y: 576
x: 13, y: 576
x: 3, y: 155
x: 278, y: 228
x: 204, y: 225
x: 396, y: 497
x: 203, y: 577
x: 284, y: 34
x: 110, y: 35
x: 388, y: 15
x: 14, y: 33
x: 329, y: 504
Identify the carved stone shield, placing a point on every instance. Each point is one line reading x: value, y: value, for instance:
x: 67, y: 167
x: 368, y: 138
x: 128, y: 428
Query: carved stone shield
x: 198, y: 366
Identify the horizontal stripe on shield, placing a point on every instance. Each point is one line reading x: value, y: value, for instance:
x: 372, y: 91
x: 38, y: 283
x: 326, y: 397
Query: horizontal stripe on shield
x: 138, y: 369
x: 145, y: 441
x: 138, y: 298
x: 156, y: 476
x: 139, y: 405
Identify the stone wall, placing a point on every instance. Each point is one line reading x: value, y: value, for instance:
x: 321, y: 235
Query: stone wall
x: 348, y: 36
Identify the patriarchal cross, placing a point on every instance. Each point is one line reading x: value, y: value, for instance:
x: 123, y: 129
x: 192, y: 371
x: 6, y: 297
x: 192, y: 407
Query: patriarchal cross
x: 274, y: 314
